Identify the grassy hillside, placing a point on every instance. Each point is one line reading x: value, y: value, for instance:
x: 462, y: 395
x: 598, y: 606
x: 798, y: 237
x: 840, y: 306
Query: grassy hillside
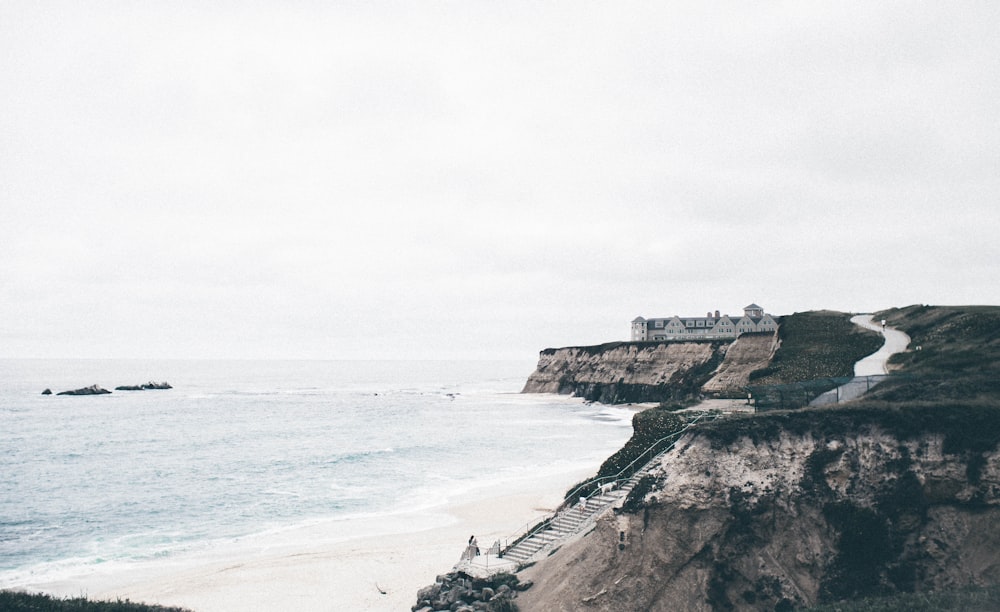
x: 950, y: 386
x: 954, y: 354
x: 818, y: 344
x: 818, y: 351
x: 968, y: 428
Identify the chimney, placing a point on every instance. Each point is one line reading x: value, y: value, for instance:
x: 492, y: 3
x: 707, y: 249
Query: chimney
x: 716, y: 314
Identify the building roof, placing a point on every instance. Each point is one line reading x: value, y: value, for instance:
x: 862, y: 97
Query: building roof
x: 713, y: 318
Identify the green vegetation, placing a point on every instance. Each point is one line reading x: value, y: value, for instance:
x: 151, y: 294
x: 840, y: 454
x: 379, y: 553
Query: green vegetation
x: 949, y: 387
x: 17, y: 602
x: 818, y: 352
x: 954, y: 354
x: 967, y: 427
x: 648, y: 428
x: 634, y: 501
x: 819, y: 344
x: 956, y: 600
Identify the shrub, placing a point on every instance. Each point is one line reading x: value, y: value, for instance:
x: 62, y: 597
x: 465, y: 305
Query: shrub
x: 818, y: 344
x: 635, y: 499
x: 11, y: 601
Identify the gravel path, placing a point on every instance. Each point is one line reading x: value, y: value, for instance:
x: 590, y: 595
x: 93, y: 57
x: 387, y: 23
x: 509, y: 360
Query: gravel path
x: 895, y: 342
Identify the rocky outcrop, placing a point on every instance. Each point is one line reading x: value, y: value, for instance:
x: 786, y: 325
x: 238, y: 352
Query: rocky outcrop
x: 91, y: 390
x: 792, y: 511
x: 463, y: 593
x: 144, y: 387
x: 623, y: 372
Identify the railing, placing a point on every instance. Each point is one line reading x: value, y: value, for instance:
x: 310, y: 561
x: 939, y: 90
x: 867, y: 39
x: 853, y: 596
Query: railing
x: 851, y: 390
x: 616, y: 478
x: 528, y: 530
x: 819, y: 391
x: 482, y: 560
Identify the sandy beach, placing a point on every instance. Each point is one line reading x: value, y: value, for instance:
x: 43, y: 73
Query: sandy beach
x: 334, y: 565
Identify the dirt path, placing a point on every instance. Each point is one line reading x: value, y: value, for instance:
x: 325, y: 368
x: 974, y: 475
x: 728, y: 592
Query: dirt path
x: 895, y: 342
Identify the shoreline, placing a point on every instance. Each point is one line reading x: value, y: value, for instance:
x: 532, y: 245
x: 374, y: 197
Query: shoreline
x: 361, y: 563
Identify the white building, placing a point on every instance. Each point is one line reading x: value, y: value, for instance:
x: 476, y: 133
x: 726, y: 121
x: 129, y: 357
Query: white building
x: 710, y: 326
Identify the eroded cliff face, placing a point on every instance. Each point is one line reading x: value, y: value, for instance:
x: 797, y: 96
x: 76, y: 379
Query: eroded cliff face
x: 651, y: 371
x: 627, y: 371
x: 793, y: 520
x: 748, y: 353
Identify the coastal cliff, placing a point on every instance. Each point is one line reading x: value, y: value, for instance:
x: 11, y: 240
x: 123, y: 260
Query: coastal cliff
x: 621, y: 372
x: 889, y: 502
x: 794, y: 510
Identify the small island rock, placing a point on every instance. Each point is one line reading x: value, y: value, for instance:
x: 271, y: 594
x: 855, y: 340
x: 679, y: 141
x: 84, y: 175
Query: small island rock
x: 47, y: 392
x: 143, y: 387
x: 91, y: 390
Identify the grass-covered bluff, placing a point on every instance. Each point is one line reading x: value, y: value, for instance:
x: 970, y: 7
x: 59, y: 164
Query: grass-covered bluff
x: 818, y: 344
x: 954, y: 355
x: 811, y: 345
x: 946, y: 387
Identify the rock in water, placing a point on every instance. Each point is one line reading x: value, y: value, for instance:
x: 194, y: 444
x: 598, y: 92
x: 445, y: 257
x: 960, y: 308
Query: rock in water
x: 47, y: 392
x: 91, y: 390
x: 143, y: 387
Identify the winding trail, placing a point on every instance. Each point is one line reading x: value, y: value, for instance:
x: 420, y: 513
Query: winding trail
x: 870, y: 370
x: 895, y: 342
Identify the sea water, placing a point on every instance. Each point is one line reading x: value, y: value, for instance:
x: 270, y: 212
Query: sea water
x: 243, y: 447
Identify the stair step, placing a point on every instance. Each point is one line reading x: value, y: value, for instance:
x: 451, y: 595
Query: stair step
x: 571, y: 520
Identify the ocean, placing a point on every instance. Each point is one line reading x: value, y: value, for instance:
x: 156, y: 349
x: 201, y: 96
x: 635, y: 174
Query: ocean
x: 239, y: 448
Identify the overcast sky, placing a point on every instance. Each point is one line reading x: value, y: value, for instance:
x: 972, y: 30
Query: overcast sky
x: 482, y: 179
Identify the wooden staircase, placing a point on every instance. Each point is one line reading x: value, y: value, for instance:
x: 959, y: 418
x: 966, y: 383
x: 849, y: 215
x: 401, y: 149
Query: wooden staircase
x: 573, y: 519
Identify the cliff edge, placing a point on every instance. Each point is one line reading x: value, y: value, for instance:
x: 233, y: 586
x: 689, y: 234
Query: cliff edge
x: 780, y: 512
x: 622, y: 372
